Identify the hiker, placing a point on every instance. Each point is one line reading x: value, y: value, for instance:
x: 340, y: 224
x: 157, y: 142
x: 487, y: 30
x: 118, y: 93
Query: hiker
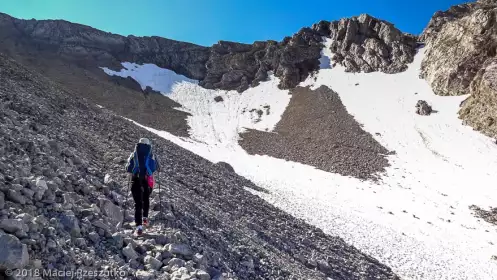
x: 142, y: 164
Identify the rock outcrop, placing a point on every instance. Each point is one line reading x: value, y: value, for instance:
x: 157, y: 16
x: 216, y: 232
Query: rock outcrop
x: 239, y: 66
x: 461, y: 44
x: 367, y: 44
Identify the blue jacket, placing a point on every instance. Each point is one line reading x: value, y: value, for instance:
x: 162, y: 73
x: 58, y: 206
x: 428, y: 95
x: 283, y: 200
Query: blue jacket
x: 142, y: 161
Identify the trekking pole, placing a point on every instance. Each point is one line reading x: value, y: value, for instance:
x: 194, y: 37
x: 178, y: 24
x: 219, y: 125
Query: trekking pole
x: 161, y: 214
x: 127, y: 193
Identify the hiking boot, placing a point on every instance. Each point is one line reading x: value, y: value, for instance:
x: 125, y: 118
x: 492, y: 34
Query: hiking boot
x: 145, y: 222
x: 139, y: 231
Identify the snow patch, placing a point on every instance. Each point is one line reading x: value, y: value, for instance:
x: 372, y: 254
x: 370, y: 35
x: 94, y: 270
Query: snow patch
x: 325, y: 60
x: 159, y: 79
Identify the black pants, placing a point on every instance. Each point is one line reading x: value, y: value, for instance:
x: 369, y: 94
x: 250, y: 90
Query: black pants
x: 141, y: 195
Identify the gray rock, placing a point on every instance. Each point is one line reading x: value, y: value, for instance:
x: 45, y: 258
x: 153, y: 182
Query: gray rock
x: 108, y: 179
x: 14, y: 254
x: 176, y: 262
x: 324, y: 266
x: 28, y: 193
x: 202, y: 275
x: 25, y: 217
x: 118, y: 239
x: 94, y: 237
x: 143, y: 275
x: 129, y: 252
x: 181, y: 273
x: 166, y: 255
x: 422, y: 108
x: 117, y: 198
x: 312, y: 263
x: 111, y: 210
x: 162, y: 239
x: 135, y: 264
x: 71, y: 223
x: 80, y: 242
x: 69, y: 199
x: 180, y: 249
x: 41, y: 187
x: 200, y: 259
x: 41, y: 220
x: 54, y: 146
x: 218, y: 98
x: 51, y: 244
x: 154, y: 263
x: 16, y: 196
x: 13, y: 225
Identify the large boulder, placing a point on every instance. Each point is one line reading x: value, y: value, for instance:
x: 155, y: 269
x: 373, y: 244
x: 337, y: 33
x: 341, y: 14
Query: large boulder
x: 423, y: 109
x: 13, y: 225
x: 13, y: 254
x: 129, y: 252
x: 111, y: 210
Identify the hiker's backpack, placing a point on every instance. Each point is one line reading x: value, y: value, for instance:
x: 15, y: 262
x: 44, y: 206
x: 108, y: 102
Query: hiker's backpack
x: 141, y: 161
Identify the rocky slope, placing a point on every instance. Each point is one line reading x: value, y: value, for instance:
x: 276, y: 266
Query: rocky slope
x: 317, y: 130
x: 62, y: 189
x: 461, y: 46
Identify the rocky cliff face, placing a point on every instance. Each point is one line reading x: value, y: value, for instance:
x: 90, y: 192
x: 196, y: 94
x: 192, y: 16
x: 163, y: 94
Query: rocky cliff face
x: 225, y: 65
x: 366, y: 44
x: 360, y: 44
x: 92, y: 47
x: 238, y: 66
x: 461, y: 45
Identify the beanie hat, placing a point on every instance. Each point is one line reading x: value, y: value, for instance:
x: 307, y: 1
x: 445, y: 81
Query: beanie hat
x: 144, y: 141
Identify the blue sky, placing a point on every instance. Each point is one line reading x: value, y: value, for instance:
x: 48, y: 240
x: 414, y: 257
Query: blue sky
x: 205, y: 22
